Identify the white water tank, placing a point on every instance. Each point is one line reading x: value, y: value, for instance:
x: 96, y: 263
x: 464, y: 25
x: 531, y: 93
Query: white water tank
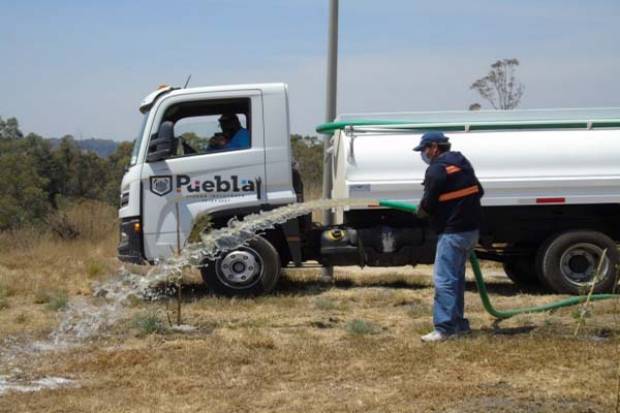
x: 520, y: 163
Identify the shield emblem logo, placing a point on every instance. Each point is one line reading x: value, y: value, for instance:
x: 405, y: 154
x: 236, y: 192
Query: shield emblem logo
x: 161, y: 185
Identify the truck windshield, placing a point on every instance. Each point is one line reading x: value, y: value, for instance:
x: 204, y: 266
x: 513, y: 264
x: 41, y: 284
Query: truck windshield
x: 138, y: 141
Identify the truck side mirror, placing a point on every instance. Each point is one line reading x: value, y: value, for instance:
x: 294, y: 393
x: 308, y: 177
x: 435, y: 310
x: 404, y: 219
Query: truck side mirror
x: 162, y: 145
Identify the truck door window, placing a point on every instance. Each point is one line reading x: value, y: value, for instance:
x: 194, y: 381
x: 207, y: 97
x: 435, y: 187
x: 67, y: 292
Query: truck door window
x: 210, y: 126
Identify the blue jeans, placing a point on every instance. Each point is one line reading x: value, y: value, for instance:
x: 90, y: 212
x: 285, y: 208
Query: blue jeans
x: 449, y: 278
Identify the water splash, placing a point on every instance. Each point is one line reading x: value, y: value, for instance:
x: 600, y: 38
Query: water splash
x: 239, y: 232
x: 8, y: 384
x: 84, y: 318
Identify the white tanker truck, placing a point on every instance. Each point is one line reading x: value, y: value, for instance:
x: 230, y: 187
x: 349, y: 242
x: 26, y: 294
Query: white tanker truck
x: 551, y: 180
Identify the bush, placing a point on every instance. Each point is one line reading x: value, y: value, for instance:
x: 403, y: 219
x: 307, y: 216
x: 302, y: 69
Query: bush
x: 149, y: 323
x: 59, y: 224
x: 308, y: 153
x: 57, y: 301
x: 94, y: 268
x: 202, y: 223
x: 325, y: 304
x: 86, y: 219
x: 362, y: 327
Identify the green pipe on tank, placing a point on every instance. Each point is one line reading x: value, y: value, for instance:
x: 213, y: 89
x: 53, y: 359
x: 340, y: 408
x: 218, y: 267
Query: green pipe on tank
x: 482, y: 289
x: 331, y: 127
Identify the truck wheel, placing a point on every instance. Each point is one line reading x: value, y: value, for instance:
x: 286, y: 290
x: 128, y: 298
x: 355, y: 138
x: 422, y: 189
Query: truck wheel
x: 249, y: 270
x: 567, y: 262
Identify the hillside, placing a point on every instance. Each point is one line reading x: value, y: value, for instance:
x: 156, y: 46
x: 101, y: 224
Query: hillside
x: 102, y: 147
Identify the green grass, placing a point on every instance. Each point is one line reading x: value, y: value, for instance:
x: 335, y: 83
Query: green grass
x: 149, y: 323
x: 322, y: 303
x: 359, y: 327
x: 54, y: 300
x: 94, y: 268
x: 202, y: 223
x: 57, y: 300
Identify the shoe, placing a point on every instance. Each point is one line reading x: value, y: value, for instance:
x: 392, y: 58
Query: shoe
x: 435, y: 336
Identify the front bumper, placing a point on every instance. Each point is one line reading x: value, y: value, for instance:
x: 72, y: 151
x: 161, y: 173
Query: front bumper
x: 130, y: 246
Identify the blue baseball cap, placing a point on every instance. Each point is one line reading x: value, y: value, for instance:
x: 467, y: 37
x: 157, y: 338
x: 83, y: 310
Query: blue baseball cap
x: 431, y: 137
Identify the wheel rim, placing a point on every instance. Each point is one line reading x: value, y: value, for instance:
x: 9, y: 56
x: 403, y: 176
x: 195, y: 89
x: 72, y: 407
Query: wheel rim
x: 240, y: 269
x: 579, y: 262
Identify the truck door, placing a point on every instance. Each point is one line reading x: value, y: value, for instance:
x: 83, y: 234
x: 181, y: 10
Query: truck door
x: 217, y: 162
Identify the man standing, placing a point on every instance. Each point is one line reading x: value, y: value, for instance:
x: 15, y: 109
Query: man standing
x: 452, y: 202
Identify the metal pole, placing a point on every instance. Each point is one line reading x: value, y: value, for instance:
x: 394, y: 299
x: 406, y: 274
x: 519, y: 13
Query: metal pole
x: 330, y: 112
x: 332, y: 62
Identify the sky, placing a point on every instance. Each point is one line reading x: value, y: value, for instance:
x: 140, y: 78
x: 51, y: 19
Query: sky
x: 82, y: 67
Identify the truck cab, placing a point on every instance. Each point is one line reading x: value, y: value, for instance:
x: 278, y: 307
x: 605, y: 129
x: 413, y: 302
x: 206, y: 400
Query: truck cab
x: 184, y: 164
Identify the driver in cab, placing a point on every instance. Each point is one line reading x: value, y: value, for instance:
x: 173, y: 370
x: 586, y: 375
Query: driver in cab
x: 233, y: 136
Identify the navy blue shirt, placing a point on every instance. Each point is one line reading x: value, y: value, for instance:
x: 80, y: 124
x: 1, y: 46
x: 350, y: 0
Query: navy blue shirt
x: 240, y: 140
x: 452, y: 194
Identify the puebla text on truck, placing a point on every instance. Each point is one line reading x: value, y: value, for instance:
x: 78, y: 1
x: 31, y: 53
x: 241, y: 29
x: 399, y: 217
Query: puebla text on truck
x: 551, y: 179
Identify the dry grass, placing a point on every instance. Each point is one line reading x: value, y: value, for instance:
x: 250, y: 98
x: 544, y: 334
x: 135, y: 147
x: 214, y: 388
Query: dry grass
x: 311, y: 347
x: 41, y: 271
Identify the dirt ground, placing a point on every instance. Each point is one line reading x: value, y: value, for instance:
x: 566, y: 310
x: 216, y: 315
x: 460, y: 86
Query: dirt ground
x: 348, y: 346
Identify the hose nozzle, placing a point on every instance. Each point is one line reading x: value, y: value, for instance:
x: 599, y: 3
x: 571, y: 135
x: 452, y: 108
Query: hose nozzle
x: 399, y: 205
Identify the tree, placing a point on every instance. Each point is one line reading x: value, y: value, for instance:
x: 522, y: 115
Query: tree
x: 308, y: 153
x: 22, y: 197
x: 40, y: 150
x: 500, y: 87
x: 36, y: 177
x: 198, y: 143
x: 117, y: 162
x: 9, y: 129
x: 65, y: 176
x: 91, y: 173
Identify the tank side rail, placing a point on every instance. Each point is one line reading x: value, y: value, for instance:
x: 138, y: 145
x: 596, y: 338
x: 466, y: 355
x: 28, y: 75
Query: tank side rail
x: 369, y: 125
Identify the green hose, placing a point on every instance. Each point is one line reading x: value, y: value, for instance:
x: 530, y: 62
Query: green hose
x: 486, y: 302
x: 482, y: 289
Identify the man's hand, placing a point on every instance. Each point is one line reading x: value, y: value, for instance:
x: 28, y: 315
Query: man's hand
x: 218, y: 140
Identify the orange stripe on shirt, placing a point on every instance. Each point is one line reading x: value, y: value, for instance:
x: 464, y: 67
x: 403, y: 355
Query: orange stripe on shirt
x: 461, y: 193
x: 452, y: 169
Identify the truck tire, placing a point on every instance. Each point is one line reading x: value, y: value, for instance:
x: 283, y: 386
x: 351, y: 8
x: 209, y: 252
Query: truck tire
x: 567, y: 262
x: 250, y: 270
